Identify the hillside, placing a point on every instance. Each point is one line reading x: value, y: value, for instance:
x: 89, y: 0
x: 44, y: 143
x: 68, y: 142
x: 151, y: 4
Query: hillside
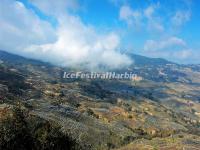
x: 160, y: 112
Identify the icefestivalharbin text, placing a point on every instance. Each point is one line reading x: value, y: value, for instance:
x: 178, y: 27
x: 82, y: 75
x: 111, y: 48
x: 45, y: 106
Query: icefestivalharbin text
x: 104, y: 75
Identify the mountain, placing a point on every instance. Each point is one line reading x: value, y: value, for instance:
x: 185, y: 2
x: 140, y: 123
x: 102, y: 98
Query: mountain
x: 45, y: 111
x: 138, y: 59
x: 143, y: 61
x: 17, y: 60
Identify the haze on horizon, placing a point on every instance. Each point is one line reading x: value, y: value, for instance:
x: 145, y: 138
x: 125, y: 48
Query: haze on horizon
x: 93, y: 33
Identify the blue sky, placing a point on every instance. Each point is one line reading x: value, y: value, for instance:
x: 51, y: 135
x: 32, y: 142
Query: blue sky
x: 91, y: 31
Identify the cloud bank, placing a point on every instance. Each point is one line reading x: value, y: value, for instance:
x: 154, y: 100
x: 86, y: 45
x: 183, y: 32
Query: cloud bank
x: 70, y: 43
x: 172, y: 48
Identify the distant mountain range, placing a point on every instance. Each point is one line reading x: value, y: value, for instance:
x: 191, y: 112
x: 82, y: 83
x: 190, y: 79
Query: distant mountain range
x: 142, y: 60
x: 138, y: 59
x: 156, y: 69
x: 13, y: 58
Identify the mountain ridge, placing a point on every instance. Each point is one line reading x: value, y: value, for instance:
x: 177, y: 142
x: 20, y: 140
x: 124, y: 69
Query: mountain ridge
x: 138, y: 59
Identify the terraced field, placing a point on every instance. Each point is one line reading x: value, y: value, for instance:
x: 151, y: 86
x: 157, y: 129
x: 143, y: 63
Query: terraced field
x: 159, y: 112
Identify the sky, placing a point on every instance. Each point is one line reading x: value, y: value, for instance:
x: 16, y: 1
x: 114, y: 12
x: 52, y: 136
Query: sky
x: 91, y: 33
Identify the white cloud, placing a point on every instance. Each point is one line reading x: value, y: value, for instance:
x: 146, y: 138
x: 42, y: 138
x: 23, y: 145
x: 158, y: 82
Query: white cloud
x: 172, y: 48
x: 71, y: 43
x: 153, y: 22
x: 137, y: 18
x: 149, y: 11
x: 181, y: 17
x: 166, y: 44
x: 129, y: 16
x: 81, y: 45
x: 183, y: 54
x: 55, y: 8
x: 20, y: 26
